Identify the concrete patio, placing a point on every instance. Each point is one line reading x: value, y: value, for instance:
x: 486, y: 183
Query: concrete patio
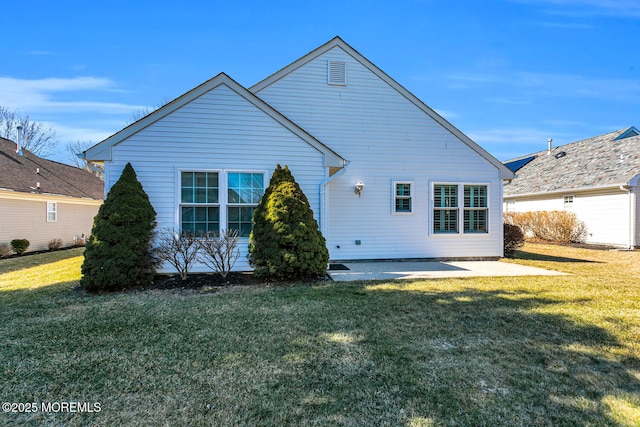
x: 389, y: 270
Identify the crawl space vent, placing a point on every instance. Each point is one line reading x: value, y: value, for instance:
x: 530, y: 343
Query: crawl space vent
x: 337, y: 73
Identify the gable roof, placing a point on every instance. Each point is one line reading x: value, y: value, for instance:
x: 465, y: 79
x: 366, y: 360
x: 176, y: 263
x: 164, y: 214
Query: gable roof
x: 607, y: 160
x: 505, y: 173
x: 102, y: 150
x: 22, y: 173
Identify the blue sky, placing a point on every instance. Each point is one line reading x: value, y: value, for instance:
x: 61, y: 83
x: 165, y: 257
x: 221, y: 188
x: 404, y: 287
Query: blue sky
x: 508, y: 73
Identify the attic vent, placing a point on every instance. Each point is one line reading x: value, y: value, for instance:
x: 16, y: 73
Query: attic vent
x: 560, y: 155
x: 337, y: 73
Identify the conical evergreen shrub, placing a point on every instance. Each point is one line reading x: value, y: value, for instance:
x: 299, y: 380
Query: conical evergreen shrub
x: 118, y: 254
x: 285, y: 241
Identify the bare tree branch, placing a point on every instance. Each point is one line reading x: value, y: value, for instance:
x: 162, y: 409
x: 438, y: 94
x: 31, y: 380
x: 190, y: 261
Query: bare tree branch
x: 37, y: 137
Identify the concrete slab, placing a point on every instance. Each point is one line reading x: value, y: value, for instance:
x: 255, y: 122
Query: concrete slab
x: 390, y: 270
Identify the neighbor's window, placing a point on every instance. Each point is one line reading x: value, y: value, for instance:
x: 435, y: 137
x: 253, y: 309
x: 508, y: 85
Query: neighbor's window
x: 475, y: 209
x: 199, y: 202
x: 445, y: 211
x: 52, y: 212
x: 568, y: 202
x: 244, y: 191
x: 402, y: 197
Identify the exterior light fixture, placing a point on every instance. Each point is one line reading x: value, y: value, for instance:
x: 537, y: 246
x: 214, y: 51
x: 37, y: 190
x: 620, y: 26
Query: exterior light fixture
x: 359, y: 187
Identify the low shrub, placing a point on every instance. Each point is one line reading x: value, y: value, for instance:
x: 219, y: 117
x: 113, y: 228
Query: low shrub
x: 553, y: 226
x: 20, y: 246
x: 219, y: 253
x: 513, y: 239
x: 55, y: 244
x: 179, y: 249
x: 5, y: 250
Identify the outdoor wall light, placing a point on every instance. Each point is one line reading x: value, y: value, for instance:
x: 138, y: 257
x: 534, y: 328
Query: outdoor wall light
x: 359, y: 187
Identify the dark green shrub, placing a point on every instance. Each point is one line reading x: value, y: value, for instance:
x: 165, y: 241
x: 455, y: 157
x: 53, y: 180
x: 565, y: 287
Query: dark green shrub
x: 513, y: 239
x: 285, y: 242
x: 118, y: 254
x: 20, y: 246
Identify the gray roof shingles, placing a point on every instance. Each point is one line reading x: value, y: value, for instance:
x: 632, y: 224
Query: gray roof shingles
x: 20, y: 173
x: 595, y: 162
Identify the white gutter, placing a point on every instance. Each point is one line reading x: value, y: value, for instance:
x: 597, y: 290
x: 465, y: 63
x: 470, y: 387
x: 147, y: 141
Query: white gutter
x: 565, y: 191
x: 323, y: 195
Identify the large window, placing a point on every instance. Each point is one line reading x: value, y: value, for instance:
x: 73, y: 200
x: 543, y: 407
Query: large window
x: 445, y: 212
x: 244, y: 193
x: 449, y: 211
x: 199, y: 202
x: 209, y: 202
x: 402, y: 197
x: 475, y: 209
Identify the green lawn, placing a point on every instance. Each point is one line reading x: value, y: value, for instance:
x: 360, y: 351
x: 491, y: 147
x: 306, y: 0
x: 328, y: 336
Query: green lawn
x: 530, y: 351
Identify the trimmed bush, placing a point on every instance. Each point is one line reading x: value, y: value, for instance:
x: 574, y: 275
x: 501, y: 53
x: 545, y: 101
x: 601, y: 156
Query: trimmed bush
x: 20, y: 246
x: 285, y: 241
x: 513, y: 239
x: 118, y: 254
x: 55, y: 244
x: 553, y: 226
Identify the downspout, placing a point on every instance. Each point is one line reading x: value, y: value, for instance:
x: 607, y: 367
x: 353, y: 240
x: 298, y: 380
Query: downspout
x: 632, y: 214
x: 323, y: 195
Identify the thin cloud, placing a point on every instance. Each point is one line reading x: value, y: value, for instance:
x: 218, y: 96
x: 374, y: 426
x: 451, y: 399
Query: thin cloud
x: 584, y: 8
x: 524, y: 85
x: 39, y: 95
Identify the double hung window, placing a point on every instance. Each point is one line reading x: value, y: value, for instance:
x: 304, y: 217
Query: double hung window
x: 52, y: 212
x: 449, y: 211
x: 199, y: 202
x: 210, y: 201
x: 445, y: 212
x: 402, y: 197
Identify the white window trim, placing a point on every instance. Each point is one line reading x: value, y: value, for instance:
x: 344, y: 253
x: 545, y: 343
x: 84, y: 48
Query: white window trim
x: 223, y: 197
x: 568, y: 206
x: 53, y: 211
x: 410, y: 197
x: 460, y: 216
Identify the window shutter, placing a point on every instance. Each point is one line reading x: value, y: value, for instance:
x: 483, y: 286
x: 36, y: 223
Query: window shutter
x: 337, y: 73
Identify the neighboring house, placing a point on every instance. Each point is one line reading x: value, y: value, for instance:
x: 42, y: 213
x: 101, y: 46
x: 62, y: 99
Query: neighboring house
x: 42, y: 200
x: 386, y: 176
x: 596, y: 178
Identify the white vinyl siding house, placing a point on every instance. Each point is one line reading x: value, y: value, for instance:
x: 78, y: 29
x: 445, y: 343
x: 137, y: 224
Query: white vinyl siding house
x: 388, y: 136
x: 597, y: 179
x: 340, y: 124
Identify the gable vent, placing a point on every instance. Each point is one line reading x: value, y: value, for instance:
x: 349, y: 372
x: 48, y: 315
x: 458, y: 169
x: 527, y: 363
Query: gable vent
x: 337, y: 73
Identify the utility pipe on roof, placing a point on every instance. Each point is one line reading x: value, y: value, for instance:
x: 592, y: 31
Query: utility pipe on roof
x: 549, y: 141
x: 19, y: 142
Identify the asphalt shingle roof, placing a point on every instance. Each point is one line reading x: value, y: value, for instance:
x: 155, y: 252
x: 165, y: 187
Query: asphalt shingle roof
x: 20, y: 173
x: 591, y: 163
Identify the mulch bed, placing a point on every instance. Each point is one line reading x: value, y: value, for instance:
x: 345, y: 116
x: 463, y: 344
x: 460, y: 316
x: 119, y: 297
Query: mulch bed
x: 212, y: 280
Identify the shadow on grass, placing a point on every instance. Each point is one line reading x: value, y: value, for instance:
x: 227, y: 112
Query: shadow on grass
x: 331, y: 354
x: 540, y: 257
x: 466, y: 358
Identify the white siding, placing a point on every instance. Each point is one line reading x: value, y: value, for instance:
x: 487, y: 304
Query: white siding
x: 605, y: 213
x: 386, y: 138
x: 221, y: 131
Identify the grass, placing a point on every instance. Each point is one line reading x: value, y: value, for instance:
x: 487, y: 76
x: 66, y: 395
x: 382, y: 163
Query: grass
x: 530, y: 351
